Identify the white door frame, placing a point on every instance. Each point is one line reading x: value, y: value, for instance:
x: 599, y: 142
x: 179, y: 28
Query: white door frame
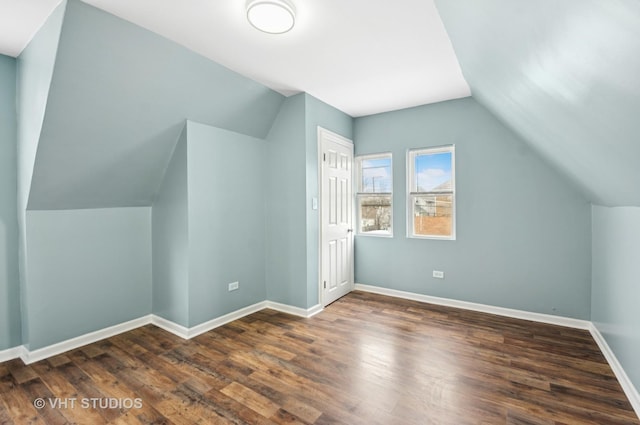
x: 322, y: 134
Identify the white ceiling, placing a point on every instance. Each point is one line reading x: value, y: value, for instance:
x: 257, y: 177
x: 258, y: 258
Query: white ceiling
x: 20, y: 20
x: 360, y: 56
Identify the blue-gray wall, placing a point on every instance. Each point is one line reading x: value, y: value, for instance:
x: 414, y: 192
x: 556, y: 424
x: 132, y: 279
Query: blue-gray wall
x: 523, y: 232
x: 170, y: 240
x: 616, y: 283
x: 35, y: 70
x: 101, y: 106
x: 88, y: 270
x: 286, y: 257
x: 119, y: 97
x: 318, y: 113
x: 291, y: 184
x: 10, y: 332
x: 226, y: 173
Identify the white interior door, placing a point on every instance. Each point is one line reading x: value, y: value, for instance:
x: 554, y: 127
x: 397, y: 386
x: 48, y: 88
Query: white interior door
x: 336, y: 230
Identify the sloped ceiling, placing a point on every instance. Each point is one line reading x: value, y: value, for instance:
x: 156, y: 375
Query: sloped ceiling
x: 118, y: 100
x: 360, y: 56
x: 566, y: 76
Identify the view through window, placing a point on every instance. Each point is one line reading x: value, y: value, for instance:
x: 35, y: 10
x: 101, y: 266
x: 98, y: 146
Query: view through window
x: 431, y: 179
x: 375, y: 187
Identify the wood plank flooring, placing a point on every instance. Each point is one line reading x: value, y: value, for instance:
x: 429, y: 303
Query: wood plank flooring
x: 366, y: 359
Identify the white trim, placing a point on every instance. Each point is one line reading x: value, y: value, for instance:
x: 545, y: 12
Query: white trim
x: 188, y: 333
x: 183, y: 332
x: 223, y: 320
x: 312, y: 311
x: 295, y: 311
x: 169, y: 326
x: 357, y: 171
x: 29, y: 357
x: 319, y: 133
x: 11, y: 353
x: 484, y: 308
x: 412, y: 191
x: 323, y: 133
x: 626, y: 384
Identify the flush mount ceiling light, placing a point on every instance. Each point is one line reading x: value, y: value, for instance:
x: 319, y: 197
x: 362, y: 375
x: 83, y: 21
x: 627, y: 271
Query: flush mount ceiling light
x: 271, y: 16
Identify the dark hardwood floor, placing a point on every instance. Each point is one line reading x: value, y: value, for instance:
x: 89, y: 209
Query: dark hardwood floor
x: 366, y: 359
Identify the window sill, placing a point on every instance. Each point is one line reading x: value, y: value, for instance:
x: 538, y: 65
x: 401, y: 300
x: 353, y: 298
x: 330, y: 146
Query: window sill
x: 377, y: 234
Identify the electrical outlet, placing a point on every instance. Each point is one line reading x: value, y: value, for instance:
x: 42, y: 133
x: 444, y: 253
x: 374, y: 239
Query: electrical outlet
x: 438, y: 274
x: 233, y: 286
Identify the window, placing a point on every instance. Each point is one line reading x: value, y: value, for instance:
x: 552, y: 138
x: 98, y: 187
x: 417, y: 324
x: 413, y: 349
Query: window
x: 375, y: 186
x: 431, y: 198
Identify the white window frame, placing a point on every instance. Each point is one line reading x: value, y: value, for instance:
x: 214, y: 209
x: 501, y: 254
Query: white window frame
x: 412, y: 192
x: 361, y: 194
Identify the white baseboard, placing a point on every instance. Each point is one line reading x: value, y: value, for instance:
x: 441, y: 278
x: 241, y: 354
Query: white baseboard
x: 187, y: 333
x: 169, y: 326
x: 29, y: 356
x: 484, y: 308
x: 314, y: 310
x: 183, y: 332
x: 223, y: 320
x: 629, y: 389
x: 11, y: 353
x: 295, y: 311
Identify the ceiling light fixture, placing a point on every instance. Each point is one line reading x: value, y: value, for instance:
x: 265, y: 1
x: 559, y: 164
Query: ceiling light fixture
x: 271, y: 16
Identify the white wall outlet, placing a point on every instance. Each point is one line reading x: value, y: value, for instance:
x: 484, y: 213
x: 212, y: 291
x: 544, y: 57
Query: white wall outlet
x: 233, y: 286
x: 438, y: 274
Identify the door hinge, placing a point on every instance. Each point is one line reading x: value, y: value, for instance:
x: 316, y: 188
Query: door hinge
x: 325, y: 284
x: 324, y: 157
